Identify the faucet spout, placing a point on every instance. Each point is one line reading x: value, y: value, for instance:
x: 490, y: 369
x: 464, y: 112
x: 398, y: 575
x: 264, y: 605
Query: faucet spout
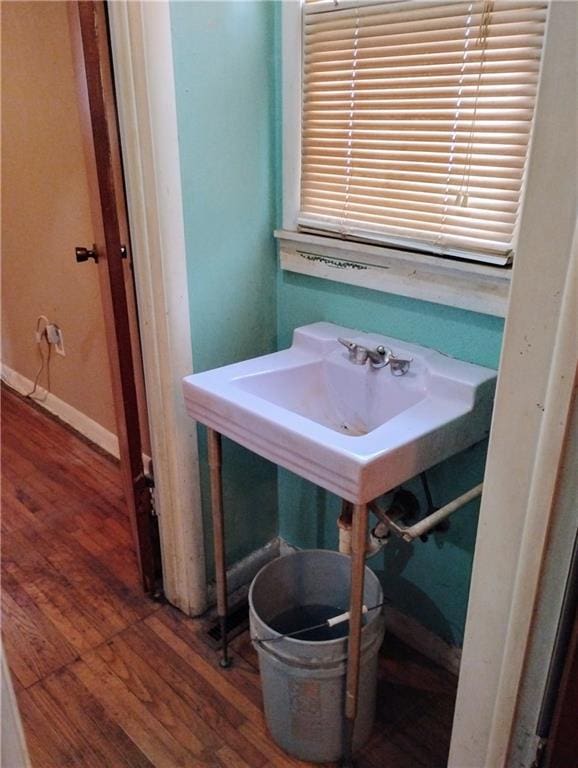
x: 378, y: 357
x: 359, y: 355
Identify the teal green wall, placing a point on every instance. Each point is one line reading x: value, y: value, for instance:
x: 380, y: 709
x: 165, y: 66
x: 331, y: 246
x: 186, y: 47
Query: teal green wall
x: 467, y: 336
x: 428, y: 581
x: 224, y: 63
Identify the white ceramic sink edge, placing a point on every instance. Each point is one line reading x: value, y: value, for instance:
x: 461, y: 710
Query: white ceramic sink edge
x: 438, y: 409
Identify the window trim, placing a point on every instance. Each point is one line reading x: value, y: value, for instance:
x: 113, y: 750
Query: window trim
x: 466, y: 285
x: 477, y: 287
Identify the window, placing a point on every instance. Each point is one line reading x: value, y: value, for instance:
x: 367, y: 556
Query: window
x: 416, y: 119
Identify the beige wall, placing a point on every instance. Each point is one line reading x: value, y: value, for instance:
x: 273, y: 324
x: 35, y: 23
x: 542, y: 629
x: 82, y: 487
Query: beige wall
x: 45, y: 211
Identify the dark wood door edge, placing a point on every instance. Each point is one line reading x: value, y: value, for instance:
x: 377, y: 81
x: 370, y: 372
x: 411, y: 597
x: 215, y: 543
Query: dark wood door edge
x: 89, y: 31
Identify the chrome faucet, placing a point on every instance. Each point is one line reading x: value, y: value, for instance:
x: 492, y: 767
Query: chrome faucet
x: 378, y: 357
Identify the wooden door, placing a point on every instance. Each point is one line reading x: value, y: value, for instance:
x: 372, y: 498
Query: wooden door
x: 562, y: 749
x: 111, y: 250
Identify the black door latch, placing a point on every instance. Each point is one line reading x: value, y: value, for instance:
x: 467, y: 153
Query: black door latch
x: 84, y: 254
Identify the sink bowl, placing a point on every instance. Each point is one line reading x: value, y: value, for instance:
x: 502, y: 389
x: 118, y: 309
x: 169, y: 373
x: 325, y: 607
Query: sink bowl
x: 355, y: 430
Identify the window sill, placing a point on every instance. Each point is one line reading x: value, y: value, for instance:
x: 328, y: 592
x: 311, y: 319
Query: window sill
x: 475, y: 287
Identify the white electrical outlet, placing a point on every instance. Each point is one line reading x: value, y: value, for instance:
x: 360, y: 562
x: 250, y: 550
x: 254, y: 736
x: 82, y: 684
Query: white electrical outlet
x: 52, y: 333
x: 60, y: 344
x: 54, y: 336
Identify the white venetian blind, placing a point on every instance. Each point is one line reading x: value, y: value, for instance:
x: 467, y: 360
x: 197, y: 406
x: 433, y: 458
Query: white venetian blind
x: 416, y: 121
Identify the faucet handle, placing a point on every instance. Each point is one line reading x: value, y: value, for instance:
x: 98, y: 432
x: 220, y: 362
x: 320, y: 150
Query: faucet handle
x: 379, y: 357
x: 398, y: 366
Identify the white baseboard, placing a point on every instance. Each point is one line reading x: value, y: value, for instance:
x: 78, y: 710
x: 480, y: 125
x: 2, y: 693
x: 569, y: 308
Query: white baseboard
x: 423, y: 640
x: 91, y: 429
x: 242, y: 573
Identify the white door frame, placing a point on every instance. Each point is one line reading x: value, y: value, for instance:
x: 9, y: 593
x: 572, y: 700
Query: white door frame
x: 531, y: 398
x: 143, y: 71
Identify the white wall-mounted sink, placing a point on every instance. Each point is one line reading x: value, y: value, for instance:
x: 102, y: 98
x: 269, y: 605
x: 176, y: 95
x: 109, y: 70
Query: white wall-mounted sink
x: 355, y: 430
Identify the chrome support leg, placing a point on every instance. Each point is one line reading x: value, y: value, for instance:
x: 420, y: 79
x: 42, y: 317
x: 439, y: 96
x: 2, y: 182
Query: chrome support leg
x: 215, y: 461
x: 358, y: 543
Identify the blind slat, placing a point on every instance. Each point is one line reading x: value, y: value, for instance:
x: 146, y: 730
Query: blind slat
x: 416, y: 17
x: 440, y: 181
x: 451, y: 224
x: 378, y: 202
x: 378, y: 48
x: 514, y: 67
x: 479, y: 197
x: 388, y: 34
x: 409, y: 77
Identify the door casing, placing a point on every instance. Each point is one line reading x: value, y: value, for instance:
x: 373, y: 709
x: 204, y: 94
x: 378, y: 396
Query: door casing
x: 142, y: 60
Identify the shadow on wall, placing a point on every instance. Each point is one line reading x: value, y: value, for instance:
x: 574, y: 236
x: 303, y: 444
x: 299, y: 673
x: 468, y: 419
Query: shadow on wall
x: 406, y: 596
x: 249, y: 501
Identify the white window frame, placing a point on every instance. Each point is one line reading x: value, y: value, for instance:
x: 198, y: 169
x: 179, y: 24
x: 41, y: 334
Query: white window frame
x: 467, y: 285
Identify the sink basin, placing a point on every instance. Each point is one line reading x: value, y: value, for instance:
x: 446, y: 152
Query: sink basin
x: 355, y: 430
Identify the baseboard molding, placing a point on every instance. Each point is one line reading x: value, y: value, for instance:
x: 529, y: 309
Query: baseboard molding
x: 79, y: 421
x: 242, y: 573
x: 423, y: 640
x: 410, y: 631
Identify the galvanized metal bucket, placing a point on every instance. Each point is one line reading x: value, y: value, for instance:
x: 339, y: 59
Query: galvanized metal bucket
x: 304, y: 681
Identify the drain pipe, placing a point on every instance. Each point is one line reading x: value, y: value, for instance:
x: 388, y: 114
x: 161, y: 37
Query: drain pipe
x: 423, y: 526
x: 376, y: 540
x: 344, y: 523
x: 404, y: 505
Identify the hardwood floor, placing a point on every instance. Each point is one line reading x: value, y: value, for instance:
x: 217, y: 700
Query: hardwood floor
x: 106, y: 677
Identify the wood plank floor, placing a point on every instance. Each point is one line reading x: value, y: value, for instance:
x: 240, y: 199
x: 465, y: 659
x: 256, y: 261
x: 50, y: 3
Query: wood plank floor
x: 106, y: 677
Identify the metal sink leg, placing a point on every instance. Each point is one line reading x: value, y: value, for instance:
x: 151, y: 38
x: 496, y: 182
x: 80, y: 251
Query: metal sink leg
x: 358, y: 542
x: 215, y: 461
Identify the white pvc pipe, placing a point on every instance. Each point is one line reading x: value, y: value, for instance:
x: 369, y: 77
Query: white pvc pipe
x: 429, y: 522
x: 375, y: 544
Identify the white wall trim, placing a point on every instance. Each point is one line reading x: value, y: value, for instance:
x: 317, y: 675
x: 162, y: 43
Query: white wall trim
x: 421, y: 639
x: 79, y: 421
x: 471, y: 286
x: 526, y: 409
x: 543, y: 635
x: 242, y: 573
x: 291, y: 42
x: 144, y: 78
x: 539, y: 514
